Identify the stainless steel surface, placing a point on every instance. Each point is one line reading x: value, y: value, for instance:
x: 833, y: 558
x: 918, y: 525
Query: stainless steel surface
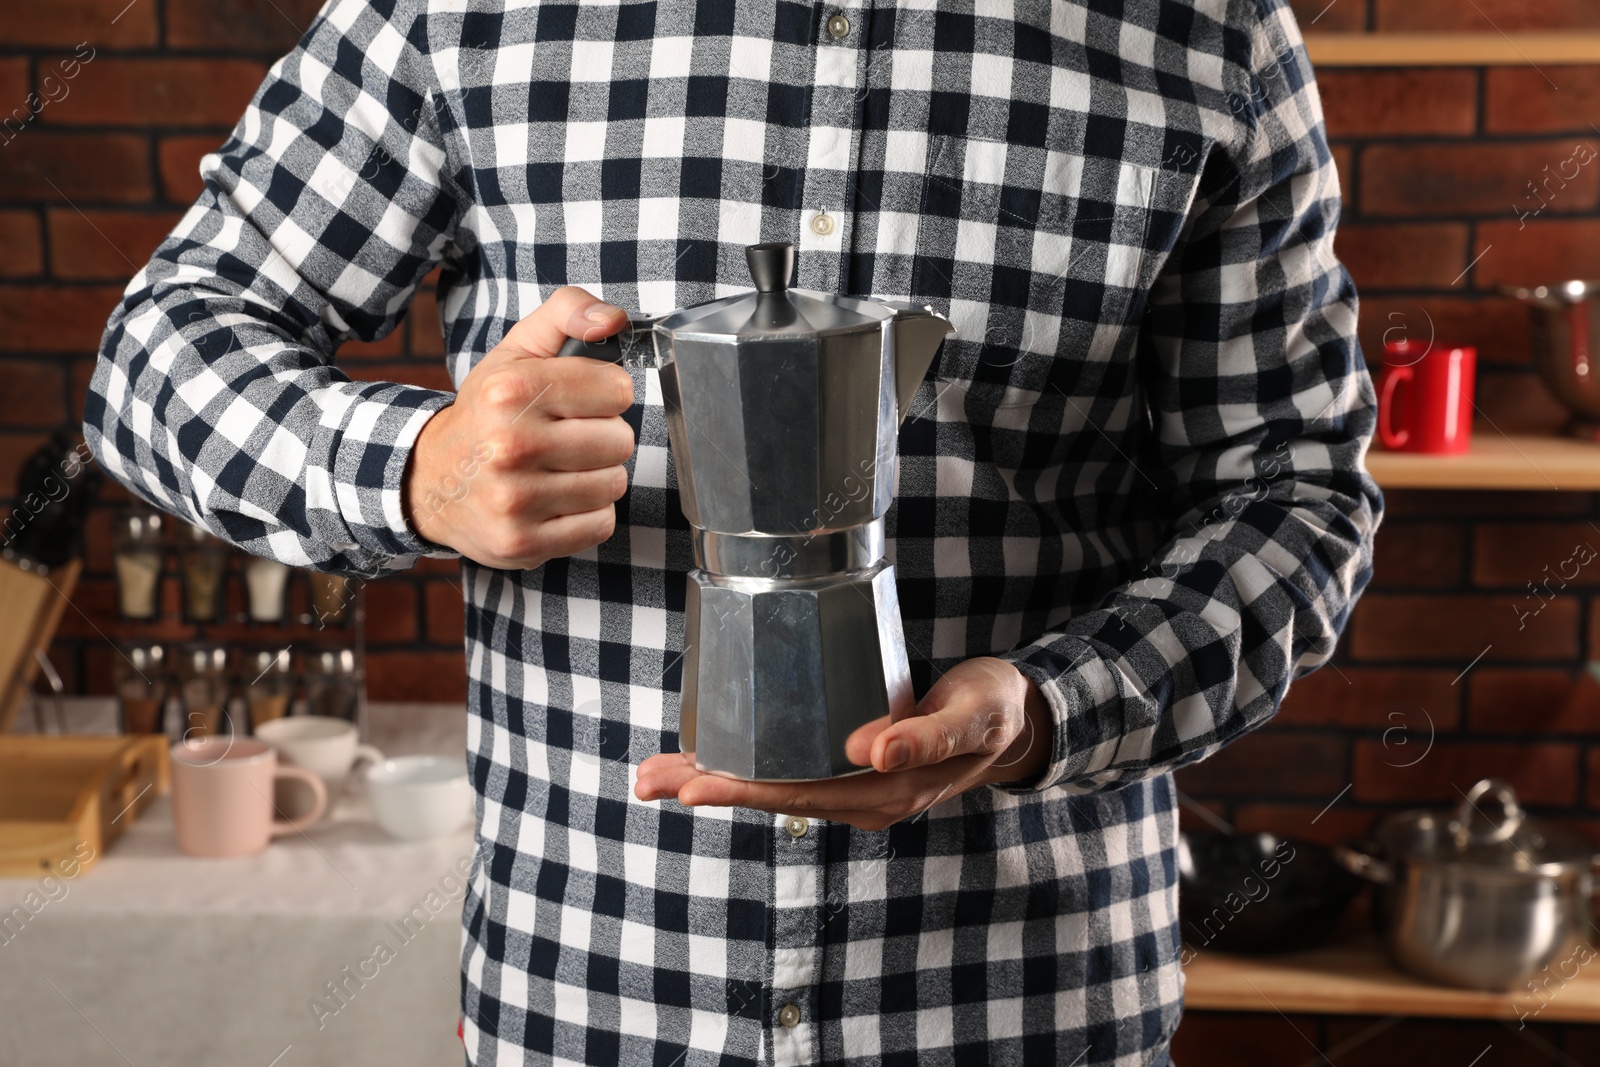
x: 782, y: 672
x: 783, y: 409
x: 1564, y: 320
x: 1473, y: 907
x: 810, y: 555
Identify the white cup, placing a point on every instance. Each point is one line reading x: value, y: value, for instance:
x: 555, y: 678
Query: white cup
x: 325, y: 746
x: 415, y: 797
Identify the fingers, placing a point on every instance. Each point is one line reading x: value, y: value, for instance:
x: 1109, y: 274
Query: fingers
x: 568, y: 312
x: 528, y: 544
x: 967, y: 726
x: 894, y: 795
x: 858, y: 746
x: 521, y: 391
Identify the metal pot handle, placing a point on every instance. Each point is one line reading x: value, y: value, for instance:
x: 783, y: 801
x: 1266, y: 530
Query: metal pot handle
x: 1359, y: 860
x: 1510, y: 821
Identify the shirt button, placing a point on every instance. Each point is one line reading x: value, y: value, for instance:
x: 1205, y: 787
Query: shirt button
x: 838, y: 27
x: 789, y: 1015
x: 797, y: 826
x: 822, y: 225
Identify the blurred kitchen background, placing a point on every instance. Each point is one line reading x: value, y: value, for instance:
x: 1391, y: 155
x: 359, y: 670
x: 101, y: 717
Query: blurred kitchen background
x: 1465, y: 659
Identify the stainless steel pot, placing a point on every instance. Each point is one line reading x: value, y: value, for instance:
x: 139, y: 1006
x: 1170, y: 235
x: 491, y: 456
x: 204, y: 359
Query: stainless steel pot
x: 1564, y: 320
x: 1482, y: 897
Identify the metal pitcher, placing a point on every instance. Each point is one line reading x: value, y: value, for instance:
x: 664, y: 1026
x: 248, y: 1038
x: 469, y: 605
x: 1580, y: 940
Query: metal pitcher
x: 1564, y: 320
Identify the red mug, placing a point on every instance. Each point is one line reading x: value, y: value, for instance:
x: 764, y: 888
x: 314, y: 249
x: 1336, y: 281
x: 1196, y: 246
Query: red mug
x: 1425, y: 394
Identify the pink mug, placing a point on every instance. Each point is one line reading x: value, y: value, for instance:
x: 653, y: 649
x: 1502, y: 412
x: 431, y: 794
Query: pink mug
x: 222, y: 796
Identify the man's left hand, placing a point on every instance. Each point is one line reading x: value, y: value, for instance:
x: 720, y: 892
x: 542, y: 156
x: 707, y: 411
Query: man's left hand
x: 981, y: 724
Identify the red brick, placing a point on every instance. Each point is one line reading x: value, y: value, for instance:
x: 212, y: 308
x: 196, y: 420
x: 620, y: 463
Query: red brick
x: 14, y: 449
x: 44, y: 318
x: 1308, y: 822
x: 427, y: 337
x: 1484, y: 16
x: 1419, y: 555
x: 97, y: 541
x: 1519, y: 100
x: 1324, y: 16
x: 1592, y: 775
x: 103, y: 23
x: 48, y: 165
x: 23, y: 255
x: 1457, y: 629
x: 34, y: 393
x: 1365, y: 103
x: 1511, y: 554
x: 1218, y: 1039
x: 1544, y: 250
x: 104, y: 244
x: 239, y: 26
x: 1479, y: 503
x: 160, y: 92
x: 1472, y: 179
x: 14, y: 85
x: 81, y: 370
x: 448, y: 566
x: 1403, y: 255
x: 1517, y: 402
x: 1594, y: 630
x: 1497, y: 327
x: 1342, y: 154
x: 422, y: 676
x: 391, y: 611
x: 179, y: 160
x: 429, y: 375
x: 445, y: 614
x: 1367, y: 697
x: 1543, y: 773
x: 1530, y: 702
x: 1434, y: 1042
x: 1271, y: 763
x: 388, y: 348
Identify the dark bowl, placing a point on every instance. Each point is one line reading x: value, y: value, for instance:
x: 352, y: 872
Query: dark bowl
x: 1258, y: 893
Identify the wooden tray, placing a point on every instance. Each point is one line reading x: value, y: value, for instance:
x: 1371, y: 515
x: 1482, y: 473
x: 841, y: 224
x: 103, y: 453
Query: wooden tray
x: 64, y: 800
x: 33, y: 606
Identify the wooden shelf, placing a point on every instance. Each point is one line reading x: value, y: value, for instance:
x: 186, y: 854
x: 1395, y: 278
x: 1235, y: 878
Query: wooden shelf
x: 1452, y: 49
x: 1495, y: 462
x: 1354, y: 979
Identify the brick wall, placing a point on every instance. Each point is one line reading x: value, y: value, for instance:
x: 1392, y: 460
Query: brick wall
x: 88, y: 186
x: 1432, y: 162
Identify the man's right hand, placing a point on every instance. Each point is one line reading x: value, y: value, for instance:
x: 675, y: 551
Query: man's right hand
x: 527, y: 463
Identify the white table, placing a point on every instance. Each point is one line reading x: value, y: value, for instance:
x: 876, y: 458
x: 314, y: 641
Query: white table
x: 157, y: 959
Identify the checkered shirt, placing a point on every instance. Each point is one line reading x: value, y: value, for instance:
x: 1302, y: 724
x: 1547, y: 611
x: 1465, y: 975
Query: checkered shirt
x: 1136, y: 469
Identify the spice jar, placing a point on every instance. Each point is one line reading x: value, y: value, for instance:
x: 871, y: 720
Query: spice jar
x: 333, y: 684
x: 203, y: 565
x: 266, y: 581
x: 138, y: 549
x: 140, y: 675
x: 268, y: 684
x: 203, y: 688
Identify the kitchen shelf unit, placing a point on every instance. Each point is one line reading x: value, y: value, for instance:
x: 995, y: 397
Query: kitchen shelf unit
x: 1496, y: 461
x: 1485, y: 49
x: 1353, y: 978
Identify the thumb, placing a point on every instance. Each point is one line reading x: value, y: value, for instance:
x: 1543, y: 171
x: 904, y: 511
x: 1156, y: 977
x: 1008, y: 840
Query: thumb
x: 568, y: 312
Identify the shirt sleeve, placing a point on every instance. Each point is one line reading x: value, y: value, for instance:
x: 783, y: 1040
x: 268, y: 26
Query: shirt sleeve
x: 1263, y: 411
x: 215, y: 395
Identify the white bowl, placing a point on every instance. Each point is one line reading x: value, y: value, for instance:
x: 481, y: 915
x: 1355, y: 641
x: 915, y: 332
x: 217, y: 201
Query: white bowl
x: 416, y: 797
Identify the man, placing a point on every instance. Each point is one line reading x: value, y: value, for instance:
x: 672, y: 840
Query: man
x: 1131, y: 502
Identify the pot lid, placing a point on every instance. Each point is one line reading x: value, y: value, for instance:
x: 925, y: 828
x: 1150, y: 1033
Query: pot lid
x: 774, y: 309
x: 1487, y: 830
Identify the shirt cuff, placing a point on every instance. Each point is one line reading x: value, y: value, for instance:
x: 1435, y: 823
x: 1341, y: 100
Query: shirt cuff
x: 368, y: 465
x: 1048, y: 665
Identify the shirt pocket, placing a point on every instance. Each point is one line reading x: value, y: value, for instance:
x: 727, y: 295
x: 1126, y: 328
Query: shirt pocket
x: 1037, y: 256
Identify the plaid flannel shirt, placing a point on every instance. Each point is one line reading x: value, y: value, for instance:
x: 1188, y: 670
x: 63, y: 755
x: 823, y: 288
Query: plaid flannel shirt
x: 1136, y: 469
